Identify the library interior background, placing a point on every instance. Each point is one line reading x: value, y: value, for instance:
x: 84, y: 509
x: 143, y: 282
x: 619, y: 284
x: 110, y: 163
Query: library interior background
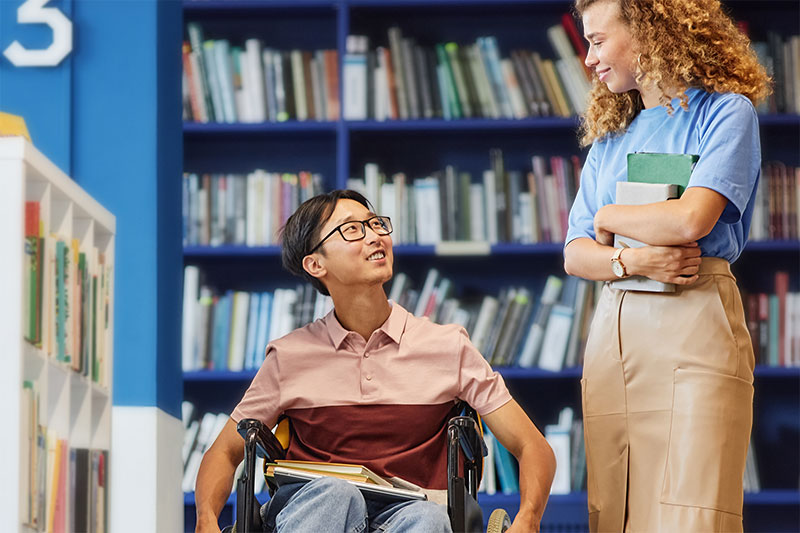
x: 164, y: 143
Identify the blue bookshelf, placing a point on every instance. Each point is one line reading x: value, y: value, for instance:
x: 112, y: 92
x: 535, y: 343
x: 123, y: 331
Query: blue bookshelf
x: 508, y: 372
x: 339, y: 149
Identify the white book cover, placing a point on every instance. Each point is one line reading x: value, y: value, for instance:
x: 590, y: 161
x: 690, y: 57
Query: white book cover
x: 354, y: 78
x: 238, y: 340
x: 191, y: 286
x: 372, y: 181
x: 189, y: 437
x: 533, y: 340
x: 254, y: 90
x: 427, y: 211
x: 399, y: 284
x: 524, y: 230
x: 556, y: 338
x: 557, y: 436
x: 380, y: 91
x: 427, y: 290
x: 483, y: 323
x: 634, y: 193
x: 477, y: 215
x: 274, y: 315
x: 287, y: 317
x: 489, y: 479
x: 490, y: 212
x: 299, y: 84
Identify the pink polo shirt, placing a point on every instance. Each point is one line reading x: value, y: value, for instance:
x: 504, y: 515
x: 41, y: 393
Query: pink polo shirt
x: 383, y: 403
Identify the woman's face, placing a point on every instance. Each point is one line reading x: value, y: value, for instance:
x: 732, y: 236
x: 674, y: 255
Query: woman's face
x: 610, y: 53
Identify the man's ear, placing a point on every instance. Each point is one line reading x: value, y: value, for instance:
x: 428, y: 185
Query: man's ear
x: 313, y: 266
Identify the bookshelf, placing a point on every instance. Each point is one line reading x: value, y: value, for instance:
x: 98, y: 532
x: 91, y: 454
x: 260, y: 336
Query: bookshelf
x: 339, y: 150
x: 73, y: 405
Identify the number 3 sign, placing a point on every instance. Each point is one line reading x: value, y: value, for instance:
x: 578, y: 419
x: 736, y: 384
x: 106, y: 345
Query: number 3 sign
x: 34, y: 12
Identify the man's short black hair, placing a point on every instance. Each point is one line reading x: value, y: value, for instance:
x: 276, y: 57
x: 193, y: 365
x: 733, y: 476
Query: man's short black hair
x: 302, y: 231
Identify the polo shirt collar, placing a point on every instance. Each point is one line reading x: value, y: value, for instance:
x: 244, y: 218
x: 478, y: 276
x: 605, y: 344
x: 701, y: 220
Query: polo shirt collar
x: 393, y: 327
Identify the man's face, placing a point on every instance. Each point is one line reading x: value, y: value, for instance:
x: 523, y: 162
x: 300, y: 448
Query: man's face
x: 363, y: 262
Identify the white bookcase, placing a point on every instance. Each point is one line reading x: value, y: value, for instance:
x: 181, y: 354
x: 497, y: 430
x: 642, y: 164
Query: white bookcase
x: 74, y: 407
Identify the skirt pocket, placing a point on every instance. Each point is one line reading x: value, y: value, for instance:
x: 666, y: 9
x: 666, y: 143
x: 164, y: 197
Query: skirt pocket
x: 709, y: 434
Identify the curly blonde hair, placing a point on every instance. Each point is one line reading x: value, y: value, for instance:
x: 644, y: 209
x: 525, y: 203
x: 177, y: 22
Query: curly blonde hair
x: 683, y: 43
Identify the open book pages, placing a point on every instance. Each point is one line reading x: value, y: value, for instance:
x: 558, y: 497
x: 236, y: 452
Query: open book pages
x: 351, y: 472
x: 283, y: 475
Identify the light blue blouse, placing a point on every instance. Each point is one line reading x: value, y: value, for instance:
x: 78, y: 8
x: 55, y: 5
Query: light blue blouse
x: 722, y: 128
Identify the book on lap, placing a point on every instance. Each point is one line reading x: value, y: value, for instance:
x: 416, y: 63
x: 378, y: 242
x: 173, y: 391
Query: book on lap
x: 356, y: 472
x: 283, y: 475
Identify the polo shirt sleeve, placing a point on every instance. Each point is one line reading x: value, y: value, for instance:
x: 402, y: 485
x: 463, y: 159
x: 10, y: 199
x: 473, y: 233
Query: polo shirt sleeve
x: 478, y: 385
x: 581, y: 215
x: 262, y: 399
x: 730, y: 153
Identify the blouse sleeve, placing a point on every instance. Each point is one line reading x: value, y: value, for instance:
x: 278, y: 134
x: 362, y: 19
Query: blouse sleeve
x: 581, y: 216
x: 730, y: 154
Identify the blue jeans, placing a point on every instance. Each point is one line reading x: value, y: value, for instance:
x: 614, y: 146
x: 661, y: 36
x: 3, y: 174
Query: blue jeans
x: 334, y: 505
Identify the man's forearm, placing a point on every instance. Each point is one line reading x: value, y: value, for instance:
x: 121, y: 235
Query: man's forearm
x: 213, y: 487
x: 537, y: 467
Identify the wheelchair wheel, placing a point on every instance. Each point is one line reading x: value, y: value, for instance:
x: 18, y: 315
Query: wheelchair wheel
x: 499, y: 521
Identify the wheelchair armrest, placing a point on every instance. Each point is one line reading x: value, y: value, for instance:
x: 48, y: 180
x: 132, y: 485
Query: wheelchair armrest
x: 258, y: 441
x: 465, y: 452
x: 264, y: 443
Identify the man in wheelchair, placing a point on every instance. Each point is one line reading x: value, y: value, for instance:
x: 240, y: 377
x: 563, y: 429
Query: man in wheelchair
x: 368, y: 384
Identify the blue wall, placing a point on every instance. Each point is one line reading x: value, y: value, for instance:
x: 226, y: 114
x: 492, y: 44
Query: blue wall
x: 109, y: 115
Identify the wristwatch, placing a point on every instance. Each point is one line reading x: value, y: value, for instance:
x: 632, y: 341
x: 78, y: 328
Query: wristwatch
x: 617, y: 266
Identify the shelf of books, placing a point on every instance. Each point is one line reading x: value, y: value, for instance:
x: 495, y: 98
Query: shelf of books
x: 456, y: 118
x: 56, y: 325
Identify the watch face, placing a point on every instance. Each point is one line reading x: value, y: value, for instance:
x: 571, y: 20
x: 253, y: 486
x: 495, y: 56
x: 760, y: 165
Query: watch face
x: 616, y: 267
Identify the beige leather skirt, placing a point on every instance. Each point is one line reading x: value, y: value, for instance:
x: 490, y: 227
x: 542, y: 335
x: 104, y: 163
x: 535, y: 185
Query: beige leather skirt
x: 667, y: 406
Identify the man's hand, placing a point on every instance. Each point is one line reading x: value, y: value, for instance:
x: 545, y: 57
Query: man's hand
x: 215, y: 477
x: 669, y: 264
x: 524, y: 523
x: 207, y: 526
x: 537, y: 463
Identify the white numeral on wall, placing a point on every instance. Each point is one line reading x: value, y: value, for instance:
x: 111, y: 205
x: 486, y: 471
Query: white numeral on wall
x: 34, y: 12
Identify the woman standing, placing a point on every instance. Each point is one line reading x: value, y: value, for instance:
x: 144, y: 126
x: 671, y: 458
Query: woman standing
x: 667, y: 385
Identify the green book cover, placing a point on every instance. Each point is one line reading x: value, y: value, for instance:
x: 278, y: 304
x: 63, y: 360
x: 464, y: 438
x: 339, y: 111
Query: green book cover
x: 650, y: 167
x: 452, y: 92
x: 61, y: 302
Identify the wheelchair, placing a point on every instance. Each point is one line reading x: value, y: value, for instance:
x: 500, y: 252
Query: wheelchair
x: 465, y: 452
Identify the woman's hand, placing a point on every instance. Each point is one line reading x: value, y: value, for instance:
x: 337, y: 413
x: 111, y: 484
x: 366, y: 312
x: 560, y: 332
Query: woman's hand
x: 602, y: 235
x: 669, y: 264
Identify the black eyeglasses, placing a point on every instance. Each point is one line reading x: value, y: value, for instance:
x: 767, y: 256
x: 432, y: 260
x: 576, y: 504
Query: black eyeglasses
x: 356, y: 230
